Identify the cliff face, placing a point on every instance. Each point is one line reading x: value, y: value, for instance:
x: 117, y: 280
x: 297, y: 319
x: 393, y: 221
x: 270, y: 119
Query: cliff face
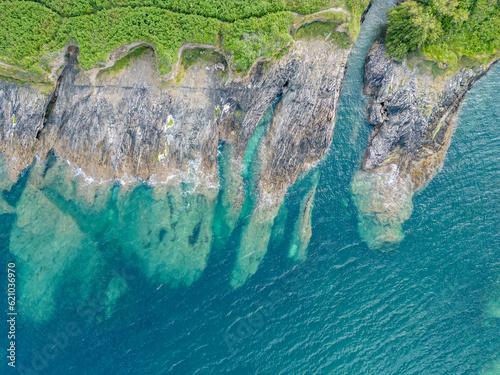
x: 413, y: 113
x: 127, y: 122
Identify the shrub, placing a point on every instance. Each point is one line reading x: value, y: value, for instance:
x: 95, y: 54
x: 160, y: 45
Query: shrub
x: 409, y: 26
x: 245, y: 29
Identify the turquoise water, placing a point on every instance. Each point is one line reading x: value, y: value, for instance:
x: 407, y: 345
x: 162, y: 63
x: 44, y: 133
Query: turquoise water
x: 100, y: 303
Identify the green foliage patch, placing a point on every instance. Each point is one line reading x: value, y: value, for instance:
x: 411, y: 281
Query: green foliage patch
x: 356, y: 7
x: 322, y: 30
x: 127, y: 60
x: 314, y: 30
x: 247, y: 40
x: 329, y: 16
x: 226, y: 10
x: 26, y: 29
x: 33, y: 32
x: 99, y: 34
x: 191, y: 56
x: 446, y: 31
x: 309, y: 6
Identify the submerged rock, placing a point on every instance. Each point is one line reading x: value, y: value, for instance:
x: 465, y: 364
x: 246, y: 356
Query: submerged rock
x: 303, y: 226
x: 492, y: 308
x: 116, y: 288
x: 5, y: 185
x: 492, y: 369
x: 384, y: 202
x: 253, y: 244
x: 169, y: 233
x: 48, y: 247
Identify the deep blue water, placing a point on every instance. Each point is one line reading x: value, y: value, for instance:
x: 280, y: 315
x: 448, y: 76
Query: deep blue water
x: 346, y: 309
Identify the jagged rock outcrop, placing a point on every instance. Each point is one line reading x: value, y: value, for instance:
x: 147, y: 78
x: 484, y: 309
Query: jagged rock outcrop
x: 413, y: 113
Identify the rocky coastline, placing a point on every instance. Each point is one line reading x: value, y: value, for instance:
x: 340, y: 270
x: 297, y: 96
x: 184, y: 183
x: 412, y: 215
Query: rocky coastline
x: 126, y: 124
x: 413, y: 112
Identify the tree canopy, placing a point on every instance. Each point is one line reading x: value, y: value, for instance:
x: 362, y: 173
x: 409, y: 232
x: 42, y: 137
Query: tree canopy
x: 445, y: 30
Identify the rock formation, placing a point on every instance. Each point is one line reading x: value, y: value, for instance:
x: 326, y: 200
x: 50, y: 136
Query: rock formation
x: 413, y: 112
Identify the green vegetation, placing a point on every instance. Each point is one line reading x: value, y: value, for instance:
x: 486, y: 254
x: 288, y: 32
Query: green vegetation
x: 341, y: 39
x: 225, y: 10
x: 99, y: 34
x: 26, y: 29
x: 322, y: 30
x: 127, y: 60
x: 33, y: 33
x: 329, y: 16
x: 454, y: 32
x: 190, y: 56
x: 356, y: 7
x: 322, y: 26
x: 309, y: 6
x: 252, y: 38
x: 314, y: 30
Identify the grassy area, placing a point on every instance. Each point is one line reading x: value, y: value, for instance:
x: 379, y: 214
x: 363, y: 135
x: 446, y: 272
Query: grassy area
x: 247, y: 40
x: 99, y: 34
x: 439, y: 69
x: 330, y: 16
x: 126, y: 61
x: 341, y: 39
x: 191, y: 56
x: 314, y: 30
x: 356, y: 7
x: 322, y: 30
x: 225, y: 10
x: 454, y: 34
x: 26, y: 30
x: 31, y: 32
x: 417, y: 60
x: 43, y: 87
x: 321, y: 26
x: 309, y: 6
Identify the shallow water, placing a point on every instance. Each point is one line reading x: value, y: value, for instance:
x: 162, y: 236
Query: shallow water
x: 104, y: 305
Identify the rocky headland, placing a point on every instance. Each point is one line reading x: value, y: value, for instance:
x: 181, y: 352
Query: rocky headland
x: 413, y: 111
